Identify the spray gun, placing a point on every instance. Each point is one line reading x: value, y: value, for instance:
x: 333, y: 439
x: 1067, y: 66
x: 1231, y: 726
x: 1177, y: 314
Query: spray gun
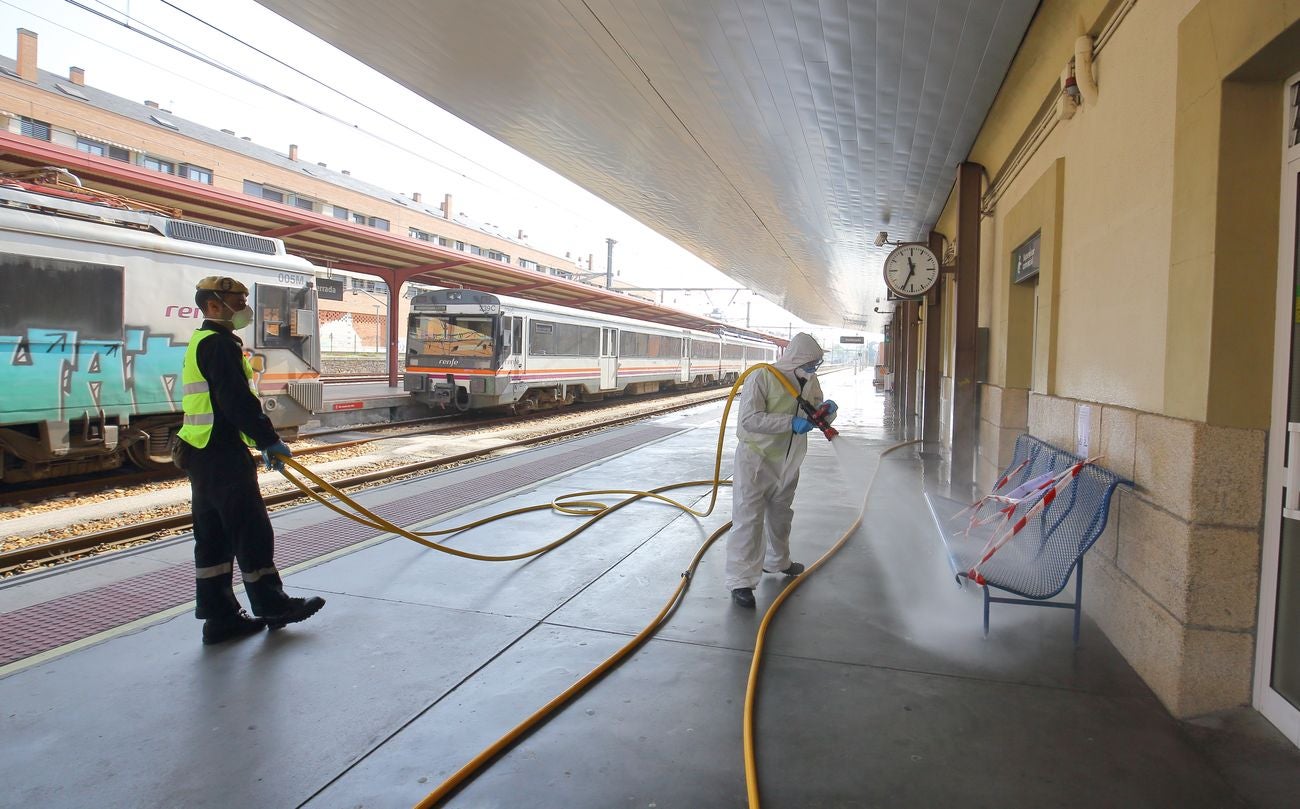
x: 818, y: 416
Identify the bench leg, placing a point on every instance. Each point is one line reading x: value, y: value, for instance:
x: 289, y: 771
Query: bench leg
x: 986, y: 611
x: 1078, y: 598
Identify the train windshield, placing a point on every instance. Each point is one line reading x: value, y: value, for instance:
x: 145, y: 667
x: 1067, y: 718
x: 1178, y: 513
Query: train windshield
x: 463, y: 340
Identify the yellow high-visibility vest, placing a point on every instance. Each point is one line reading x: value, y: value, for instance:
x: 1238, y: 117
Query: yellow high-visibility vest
x: 196, y: 397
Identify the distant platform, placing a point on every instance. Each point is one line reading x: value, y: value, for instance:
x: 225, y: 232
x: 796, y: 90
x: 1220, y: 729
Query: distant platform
x: 356, y: 402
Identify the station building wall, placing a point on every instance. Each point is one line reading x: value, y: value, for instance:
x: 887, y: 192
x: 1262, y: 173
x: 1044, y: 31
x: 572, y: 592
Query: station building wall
x: 1150, y: 327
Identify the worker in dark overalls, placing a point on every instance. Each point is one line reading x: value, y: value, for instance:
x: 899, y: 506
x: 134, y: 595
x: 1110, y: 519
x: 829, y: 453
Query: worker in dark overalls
x: 223, y: 419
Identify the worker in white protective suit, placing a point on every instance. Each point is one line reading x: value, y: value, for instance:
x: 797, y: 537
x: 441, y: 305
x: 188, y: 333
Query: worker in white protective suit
x: 773, y: 440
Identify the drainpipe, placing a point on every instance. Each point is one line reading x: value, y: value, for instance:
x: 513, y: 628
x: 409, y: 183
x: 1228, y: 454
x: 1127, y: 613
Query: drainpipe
x: 1083, y: 70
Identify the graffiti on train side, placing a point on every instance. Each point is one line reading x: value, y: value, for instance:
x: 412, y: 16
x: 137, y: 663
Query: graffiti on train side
x: 55, y: 375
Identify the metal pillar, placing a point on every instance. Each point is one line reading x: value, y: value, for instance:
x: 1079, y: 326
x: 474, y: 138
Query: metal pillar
x: 609, y: 263
x: 911, y: 313
x: 965, y: 399
x: 933, y: 382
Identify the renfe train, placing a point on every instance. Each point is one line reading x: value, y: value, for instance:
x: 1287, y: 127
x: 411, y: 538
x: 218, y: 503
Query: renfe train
x: 471, y: 350
x: 96, y: 309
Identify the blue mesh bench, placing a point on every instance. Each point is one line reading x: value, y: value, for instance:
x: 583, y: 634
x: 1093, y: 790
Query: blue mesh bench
x: 1037, y: 562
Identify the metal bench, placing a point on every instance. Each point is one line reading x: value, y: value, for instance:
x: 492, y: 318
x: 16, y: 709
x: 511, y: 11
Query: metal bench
x: 1036, y: 562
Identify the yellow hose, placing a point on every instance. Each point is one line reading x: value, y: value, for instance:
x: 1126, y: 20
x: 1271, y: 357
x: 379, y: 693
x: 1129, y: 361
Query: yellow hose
x: 751, y: 687
x: 594, y: 509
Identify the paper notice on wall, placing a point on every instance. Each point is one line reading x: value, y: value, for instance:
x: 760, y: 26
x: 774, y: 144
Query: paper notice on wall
x: 1083, y: 430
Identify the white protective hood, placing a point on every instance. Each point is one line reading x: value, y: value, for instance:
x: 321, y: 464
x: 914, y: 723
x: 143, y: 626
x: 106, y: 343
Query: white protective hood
x: 801, y: 350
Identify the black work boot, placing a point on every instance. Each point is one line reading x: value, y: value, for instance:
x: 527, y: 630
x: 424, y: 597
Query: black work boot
x: 743, y: 596
x: 238, y: 625
x: 794, y: 569
x: 294, y: 610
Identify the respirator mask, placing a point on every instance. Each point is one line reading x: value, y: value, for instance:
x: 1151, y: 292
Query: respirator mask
x: 239, y: 318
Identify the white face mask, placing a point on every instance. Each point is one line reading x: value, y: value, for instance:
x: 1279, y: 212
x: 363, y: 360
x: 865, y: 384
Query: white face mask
x: 239, y: 319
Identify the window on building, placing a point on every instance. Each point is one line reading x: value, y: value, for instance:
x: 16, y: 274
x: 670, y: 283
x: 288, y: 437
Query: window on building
x: 377, y: 223
x: 498, y: 256
x: 165, y: 166
x: 423, y: 236
x: 340, y: 213
x: 527, y: 264
x: 475, y: 250
x: 281, y: 195
x: 33, y: 128
x: 460, y: 246
x: 259, y: 190
x: 104, y: 149
x: 196, y: 173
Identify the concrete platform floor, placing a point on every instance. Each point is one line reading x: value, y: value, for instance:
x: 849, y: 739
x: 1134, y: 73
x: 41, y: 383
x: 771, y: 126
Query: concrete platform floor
x: 877, y: 691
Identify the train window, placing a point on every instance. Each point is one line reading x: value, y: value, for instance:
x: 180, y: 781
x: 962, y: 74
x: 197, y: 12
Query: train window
x: 517, y: 334
x: 284, y: 318
x: 465, y: 338
x: 704, y: 349
x: 637, y: 344
x: 66, y: 298
x: 562, y: 339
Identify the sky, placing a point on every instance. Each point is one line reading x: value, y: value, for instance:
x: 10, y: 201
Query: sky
x: 342, y: 113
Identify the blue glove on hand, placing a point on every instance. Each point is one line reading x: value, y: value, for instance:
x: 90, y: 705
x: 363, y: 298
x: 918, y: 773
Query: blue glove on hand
x: 831, y: 407
x: 269, y: 455
x: 800, y: 425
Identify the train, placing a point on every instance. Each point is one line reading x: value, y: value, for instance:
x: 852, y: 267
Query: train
x: 470, y: 350
x: 96, y: 310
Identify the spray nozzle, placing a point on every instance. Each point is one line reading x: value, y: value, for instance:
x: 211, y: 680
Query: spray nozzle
x: 818, y: 416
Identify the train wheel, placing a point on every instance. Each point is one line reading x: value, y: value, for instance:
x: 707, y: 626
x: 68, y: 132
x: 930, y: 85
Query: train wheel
x: 526, y: 406
x: 154, y: 452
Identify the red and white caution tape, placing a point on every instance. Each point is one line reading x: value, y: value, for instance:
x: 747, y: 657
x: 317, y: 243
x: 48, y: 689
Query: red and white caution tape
x: 1042, y: 496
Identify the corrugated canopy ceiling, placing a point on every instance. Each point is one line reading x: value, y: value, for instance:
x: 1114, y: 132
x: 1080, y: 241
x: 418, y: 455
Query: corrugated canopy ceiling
x: 772, y: 138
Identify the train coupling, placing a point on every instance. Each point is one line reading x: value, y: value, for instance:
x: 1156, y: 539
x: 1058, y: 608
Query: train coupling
x: 441, y: 393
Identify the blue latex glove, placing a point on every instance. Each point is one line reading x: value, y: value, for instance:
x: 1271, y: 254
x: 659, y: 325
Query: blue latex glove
x: 800, y: 425
x: 831, y: 407
x: 269, y: 455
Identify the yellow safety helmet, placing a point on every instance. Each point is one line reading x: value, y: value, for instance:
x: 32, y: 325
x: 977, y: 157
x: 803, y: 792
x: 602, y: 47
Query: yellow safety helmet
x: 222, y: 284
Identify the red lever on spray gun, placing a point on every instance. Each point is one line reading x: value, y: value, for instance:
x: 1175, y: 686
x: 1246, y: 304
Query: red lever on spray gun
x: 818, y: 416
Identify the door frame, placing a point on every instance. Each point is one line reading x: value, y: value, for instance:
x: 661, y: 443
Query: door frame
x: 608, y: 358
x: 1268, y: 702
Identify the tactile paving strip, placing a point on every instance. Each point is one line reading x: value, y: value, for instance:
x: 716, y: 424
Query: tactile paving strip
x: 54, y: 623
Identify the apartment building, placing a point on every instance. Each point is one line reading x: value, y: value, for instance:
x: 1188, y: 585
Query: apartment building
x: 65, y: 110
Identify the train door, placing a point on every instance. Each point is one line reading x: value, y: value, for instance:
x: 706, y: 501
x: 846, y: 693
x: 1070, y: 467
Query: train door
x: 512, y: 344
x: 608, y: 359
x: 1277, y: 650
x: 685, y: 375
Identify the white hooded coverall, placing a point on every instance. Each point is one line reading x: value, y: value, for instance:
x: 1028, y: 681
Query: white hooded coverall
x: 766, y: 469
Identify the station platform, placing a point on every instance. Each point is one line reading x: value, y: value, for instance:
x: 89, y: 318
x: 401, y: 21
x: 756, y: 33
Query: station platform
x: 345, y: 403
x: 877, y: 690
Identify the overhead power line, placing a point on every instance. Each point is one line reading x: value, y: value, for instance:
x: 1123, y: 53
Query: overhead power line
x: 177, y: 45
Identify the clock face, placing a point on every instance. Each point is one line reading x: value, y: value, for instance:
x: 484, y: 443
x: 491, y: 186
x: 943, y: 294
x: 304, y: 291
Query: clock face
x: 911, y: 269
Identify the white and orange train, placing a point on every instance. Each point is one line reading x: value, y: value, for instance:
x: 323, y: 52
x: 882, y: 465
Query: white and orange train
x: 473, y: 350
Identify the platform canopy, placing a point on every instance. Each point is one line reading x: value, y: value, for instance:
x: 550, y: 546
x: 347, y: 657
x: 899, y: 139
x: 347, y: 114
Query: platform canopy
x: 772, y: 138
x: 335, y: 243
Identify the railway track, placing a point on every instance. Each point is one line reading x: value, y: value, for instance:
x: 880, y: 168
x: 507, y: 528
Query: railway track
x: 390, y: 429
x: 72, y: 547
